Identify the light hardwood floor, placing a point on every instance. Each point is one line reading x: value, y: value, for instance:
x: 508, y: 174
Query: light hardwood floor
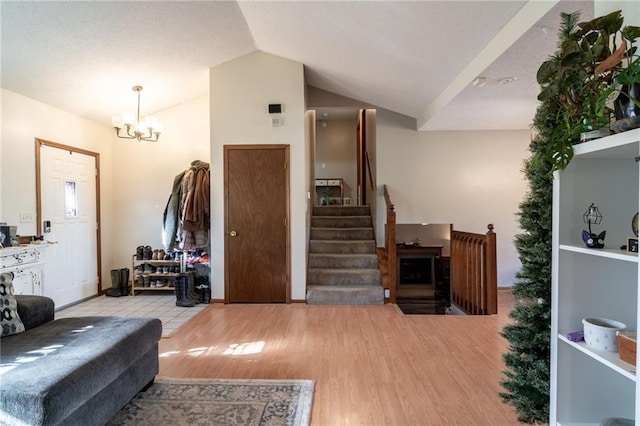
x: 372, y: 364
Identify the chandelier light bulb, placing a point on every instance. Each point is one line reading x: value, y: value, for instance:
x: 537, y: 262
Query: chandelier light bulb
x: 132, y: 127
x: 116, y: 121
x: 127, y: 119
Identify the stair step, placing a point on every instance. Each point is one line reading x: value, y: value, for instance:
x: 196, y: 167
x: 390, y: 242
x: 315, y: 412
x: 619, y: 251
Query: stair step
x: 341, y: 211
x: 343, y: 263
x: 348, y: 234
x: 350, y: 277
x: 334, y: 261
x: 341, y: 222
x: 338, y: 247
x: 345, y: 295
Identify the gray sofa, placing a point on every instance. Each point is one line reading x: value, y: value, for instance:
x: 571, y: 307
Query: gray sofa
x: 73, y: 371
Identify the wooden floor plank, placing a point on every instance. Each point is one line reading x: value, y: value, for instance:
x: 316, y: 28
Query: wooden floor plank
x: 372, y: 364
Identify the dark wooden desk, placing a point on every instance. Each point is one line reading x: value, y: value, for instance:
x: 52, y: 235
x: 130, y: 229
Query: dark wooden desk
x: 404, y: 249
x: 431, y: 252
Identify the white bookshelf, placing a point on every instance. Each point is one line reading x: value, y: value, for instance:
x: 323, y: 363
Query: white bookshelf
x: 589, y: 385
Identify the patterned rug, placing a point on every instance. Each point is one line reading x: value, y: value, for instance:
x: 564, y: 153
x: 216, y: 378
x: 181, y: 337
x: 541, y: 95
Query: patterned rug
x: 200, y: 402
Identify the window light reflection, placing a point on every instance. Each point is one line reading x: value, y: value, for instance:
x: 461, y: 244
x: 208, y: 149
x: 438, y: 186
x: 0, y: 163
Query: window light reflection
x: 197, y: 351
x: 34, y: 356
x: 248, y: 348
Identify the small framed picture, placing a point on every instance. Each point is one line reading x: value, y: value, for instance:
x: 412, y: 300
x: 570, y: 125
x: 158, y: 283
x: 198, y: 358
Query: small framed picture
x: 632, y: 245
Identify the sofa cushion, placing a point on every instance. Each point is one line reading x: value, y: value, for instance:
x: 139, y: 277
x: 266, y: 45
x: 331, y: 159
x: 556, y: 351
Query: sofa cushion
x: 51, y: 370
x: 35, y: 310
x: 9, y: 318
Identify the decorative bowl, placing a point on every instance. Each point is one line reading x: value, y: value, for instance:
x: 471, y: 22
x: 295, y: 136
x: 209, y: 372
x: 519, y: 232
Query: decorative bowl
x: 600, y: 333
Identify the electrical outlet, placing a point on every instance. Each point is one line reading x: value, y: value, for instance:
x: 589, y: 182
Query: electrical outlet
x: 26, y: 217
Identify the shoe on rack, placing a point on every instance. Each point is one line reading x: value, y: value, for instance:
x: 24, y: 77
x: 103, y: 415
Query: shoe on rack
x: 161, y: 254
x: 147, y: 253
x: 139, y: 253
x: 146, y: 281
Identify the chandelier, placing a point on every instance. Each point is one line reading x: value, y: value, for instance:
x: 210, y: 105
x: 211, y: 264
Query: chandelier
x: 148, y: 129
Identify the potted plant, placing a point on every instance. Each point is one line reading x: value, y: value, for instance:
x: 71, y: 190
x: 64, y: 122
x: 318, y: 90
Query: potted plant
x: 570, y: 82
x: 326, y: 199
x: 595, y: 62
x: 627, y: 77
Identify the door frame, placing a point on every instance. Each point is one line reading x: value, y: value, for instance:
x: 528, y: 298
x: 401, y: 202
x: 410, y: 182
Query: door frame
x: 38, y: 146
x: 225, y: 190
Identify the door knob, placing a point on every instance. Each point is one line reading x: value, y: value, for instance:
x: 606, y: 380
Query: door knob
x: 233, y: 233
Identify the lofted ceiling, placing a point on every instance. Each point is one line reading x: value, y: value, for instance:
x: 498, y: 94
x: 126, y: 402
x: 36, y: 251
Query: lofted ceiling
x: 417, y: 58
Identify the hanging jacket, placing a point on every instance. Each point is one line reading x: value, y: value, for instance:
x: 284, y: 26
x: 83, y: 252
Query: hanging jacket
x: 171, y: 223
x: 195, y: 206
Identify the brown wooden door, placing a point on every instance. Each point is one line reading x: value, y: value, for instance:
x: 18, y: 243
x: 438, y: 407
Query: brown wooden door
x: 256, y: 223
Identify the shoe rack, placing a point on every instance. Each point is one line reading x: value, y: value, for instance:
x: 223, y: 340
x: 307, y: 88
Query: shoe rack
x: 155, y: 275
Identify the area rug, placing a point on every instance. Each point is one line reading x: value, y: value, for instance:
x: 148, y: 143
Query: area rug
x: 224, y: 402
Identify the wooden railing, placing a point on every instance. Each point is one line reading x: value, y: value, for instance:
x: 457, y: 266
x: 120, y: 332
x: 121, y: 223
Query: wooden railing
x: 474, y: 278
x: 390, y: 246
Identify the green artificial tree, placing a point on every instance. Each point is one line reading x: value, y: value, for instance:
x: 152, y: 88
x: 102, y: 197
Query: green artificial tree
x: 527, y: 372
x: 527, y: 361
x: 576, y: 84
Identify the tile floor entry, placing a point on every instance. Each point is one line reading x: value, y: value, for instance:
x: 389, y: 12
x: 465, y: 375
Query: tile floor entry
x: 162, y: 307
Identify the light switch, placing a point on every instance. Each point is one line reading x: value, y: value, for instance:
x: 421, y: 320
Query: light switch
x: 27, y: 217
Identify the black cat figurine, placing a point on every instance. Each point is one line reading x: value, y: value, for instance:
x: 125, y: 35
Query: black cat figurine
x: 593, y: 240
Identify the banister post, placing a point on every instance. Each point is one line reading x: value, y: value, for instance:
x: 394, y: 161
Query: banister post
x: 492, y: 273
x: 391, y: 252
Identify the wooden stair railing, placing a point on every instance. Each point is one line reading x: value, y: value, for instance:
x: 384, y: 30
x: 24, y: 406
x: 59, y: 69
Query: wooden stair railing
x: 390, y: 247
x: 474, y: 277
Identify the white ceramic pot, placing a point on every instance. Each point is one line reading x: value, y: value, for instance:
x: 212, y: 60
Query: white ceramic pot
x: 600, y: 333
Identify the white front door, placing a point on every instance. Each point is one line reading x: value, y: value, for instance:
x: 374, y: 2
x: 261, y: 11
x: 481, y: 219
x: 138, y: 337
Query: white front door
x: 68, y: 210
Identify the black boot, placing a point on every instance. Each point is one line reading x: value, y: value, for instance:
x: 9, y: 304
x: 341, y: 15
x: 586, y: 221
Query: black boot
x: 181, y: 288
x: 191, y: 288
x: 124, y: 281
x: 115, y: 284
x: 206, y: 295
x: 203, y: 289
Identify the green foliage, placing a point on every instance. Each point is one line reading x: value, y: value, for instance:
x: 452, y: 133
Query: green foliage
x: 573, y: 99
x: 629, y: 75
x: 526, y: 380
x: 570, y: 81
x: 526, y: 376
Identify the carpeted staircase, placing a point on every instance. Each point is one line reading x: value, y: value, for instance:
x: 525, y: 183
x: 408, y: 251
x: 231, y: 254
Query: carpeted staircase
x: 343, y: 264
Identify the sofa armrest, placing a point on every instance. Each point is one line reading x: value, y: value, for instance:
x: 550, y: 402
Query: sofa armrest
x: 35, y: 310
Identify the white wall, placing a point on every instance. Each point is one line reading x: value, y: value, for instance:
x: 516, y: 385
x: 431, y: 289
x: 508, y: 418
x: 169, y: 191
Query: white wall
x: 336, y: 154
x: 24, y: 120
x: 135, y: 177
x: 469, y: 179
x: 144, y: 174
x: 630, y: 9
x: 240, y: 92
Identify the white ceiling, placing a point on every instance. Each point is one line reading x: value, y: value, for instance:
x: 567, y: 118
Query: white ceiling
x: 416, y: 58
